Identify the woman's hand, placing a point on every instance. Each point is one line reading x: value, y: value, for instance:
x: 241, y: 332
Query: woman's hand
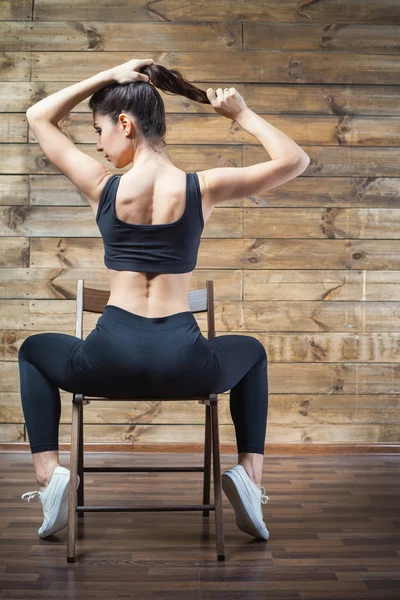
x: 228, y: 103
x: 128, y: 72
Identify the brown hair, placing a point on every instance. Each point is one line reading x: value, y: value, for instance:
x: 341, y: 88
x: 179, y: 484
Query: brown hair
x: 143, y: 101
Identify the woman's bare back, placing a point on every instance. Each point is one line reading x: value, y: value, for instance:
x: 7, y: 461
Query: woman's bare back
x: 152, y: 199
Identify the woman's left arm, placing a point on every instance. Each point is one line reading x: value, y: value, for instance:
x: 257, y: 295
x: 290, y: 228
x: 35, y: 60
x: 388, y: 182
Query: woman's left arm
x: 87, y: 173
x: 55, y: 107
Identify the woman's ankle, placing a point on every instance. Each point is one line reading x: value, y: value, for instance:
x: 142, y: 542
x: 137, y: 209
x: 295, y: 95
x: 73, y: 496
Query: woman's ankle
x: 44, y: 479
x: 44, y: 464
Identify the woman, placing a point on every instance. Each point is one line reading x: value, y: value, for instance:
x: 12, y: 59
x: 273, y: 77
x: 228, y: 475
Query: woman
x: 151, y: 219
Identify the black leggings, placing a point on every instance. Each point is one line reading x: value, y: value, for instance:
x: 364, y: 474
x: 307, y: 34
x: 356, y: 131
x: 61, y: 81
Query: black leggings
x: 128, y: 355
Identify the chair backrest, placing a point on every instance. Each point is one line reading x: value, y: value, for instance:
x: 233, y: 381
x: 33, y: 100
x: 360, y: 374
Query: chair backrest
x: 94, y: 300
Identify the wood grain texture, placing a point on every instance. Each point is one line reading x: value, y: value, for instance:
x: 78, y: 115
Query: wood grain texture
x: 333, y: 525
x: 311, y: 268
x: 269, y: 11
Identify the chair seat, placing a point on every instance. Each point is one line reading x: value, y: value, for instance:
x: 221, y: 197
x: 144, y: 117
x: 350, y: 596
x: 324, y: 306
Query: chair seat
x: 148, y: 398
x: 81, y: 398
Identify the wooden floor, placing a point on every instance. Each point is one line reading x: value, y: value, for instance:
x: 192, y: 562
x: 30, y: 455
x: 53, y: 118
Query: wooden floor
x: 334, y: 525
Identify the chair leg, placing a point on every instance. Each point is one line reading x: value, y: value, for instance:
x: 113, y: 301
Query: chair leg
x: 207, y: 461
x: 81, y: 498
x: 219, y: 517
x: 72, y: 496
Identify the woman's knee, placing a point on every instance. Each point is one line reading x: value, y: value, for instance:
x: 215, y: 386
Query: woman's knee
x: 28, y: 345
x: 260, y: 348
x: 263, y: 352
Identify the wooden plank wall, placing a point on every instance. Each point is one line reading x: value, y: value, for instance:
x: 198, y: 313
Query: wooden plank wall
x: 311, y: 268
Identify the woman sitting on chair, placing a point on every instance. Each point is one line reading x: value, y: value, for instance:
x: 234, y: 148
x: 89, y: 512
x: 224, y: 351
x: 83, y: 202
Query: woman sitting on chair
x: 147, y: 341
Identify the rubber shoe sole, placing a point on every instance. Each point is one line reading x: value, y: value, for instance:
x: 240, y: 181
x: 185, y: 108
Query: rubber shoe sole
x: 244, y: 500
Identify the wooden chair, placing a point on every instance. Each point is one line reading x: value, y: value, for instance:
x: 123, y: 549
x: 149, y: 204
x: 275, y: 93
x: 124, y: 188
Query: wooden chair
x: 94, y: 300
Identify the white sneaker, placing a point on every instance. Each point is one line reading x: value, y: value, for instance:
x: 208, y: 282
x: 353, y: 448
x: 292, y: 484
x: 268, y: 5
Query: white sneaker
x: 246, y: 499
x: 54, y: 501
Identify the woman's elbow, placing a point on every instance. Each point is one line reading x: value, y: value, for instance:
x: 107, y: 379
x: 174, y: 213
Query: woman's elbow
x: 303, y: 162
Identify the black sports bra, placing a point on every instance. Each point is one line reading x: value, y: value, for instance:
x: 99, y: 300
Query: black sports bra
x: 162, y: 248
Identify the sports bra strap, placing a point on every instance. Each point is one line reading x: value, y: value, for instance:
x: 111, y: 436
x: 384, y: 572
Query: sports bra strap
x: 104, y: 194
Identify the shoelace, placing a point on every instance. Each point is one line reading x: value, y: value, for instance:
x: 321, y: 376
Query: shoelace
x: 264, y: 497
x: 31, y: 495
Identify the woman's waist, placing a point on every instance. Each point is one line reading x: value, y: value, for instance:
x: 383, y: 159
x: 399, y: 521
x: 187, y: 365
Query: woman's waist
x: 116, y: 320
x: 149, y: 310
x: 151, y: 297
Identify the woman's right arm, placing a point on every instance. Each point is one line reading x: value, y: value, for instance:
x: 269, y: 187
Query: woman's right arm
x: 288, y: 159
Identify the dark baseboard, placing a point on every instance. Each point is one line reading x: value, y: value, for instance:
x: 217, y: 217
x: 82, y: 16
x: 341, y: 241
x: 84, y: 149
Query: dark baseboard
x: 281, y: 449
